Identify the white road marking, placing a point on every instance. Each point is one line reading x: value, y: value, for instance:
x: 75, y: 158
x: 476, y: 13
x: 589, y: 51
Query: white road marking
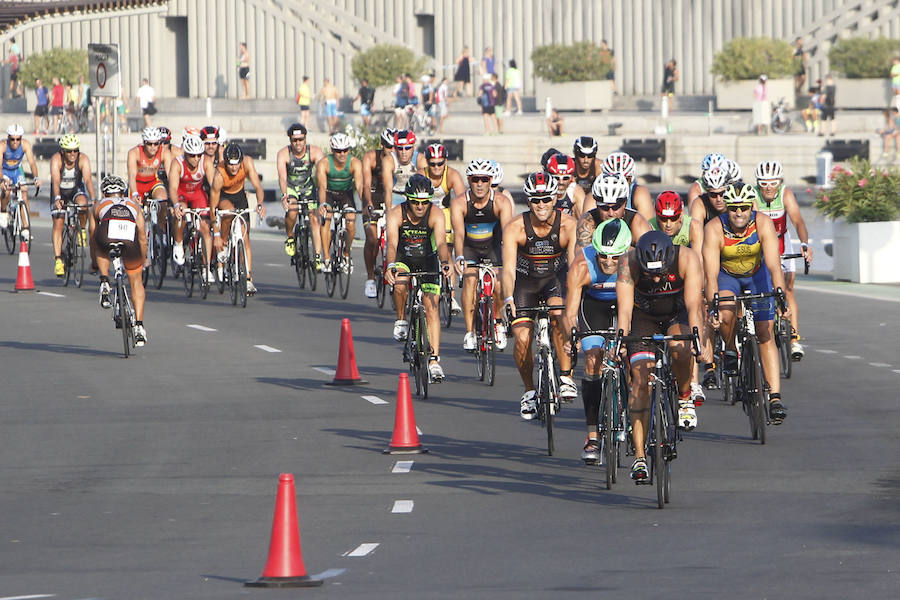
x: 28, y: 597
x: 402, y: 466
x: 363, y: 549
x: 325, y: 370
x: 402, y: 506
x: 200, y: 327
x: 274, y: 265
x: 52, y: 295
x: 825, y: 290
x: 419, y: 431
x: 266, y: 348
x: 329, y: 573
x: 374, y: 399
x: 879, y: 365
x: 896, y: 370
x: 826, y: 351
x: 852, y: 357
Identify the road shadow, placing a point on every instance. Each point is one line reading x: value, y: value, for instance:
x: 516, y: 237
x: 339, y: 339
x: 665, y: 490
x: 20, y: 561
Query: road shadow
x: 59, y: 348
x: 719, y: 438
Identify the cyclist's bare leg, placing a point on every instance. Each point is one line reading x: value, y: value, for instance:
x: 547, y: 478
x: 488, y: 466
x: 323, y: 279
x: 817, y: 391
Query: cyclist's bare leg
x: 351, y: 230
x: 769, y: 354
x: 682, y: 359
x: 432, y: 318
x: 59, y: 221
x: 159, y: 193
x: 82, y: 200
x: 315, y: 223
x: 593, y: 360
x: 326, y: 234
x: 792, y: 301
x: 4, y: 199
x: 639, y: 403
x: 290, y: 219
x: 558, y: 334
x: 23, y: 207
x: 370, y: 250
x: 206, y: 232
x: 524, y: 334
x: 468, y: 297
x: 137, y: 291
x: 178, y: 234
x: 727, y: 318
x: 400, y: 296
x: 249, y: 253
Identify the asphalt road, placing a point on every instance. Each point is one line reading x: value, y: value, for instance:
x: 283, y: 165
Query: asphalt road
x: 155, y: 477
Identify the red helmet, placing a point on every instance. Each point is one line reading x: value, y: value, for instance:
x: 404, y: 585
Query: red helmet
x: 404, y: 137
x: 435, y: 151
x: 669, y: 204
x: 561, y: 164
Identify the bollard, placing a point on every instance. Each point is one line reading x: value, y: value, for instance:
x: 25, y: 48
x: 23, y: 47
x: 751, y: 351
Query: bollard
x: 823, y: 168
x: 208, y: 107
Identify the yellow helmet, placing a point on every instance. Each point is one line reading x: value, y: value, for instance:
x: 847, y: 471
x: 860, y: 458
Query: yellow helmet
x: 69, y: 141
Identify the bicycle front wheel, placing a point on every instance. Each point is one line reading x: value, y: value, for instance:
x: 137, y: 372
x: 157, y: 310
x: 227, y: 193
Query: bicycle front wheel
x: 756, y: 387
x: 545, y: 400
x: 123, y: 307
x: 445, y: 303
x: 608, y: 401
x: 345, y: 264
x: 9, y: 238
x: 160, y: 261
x: 783, y: 341
x: 188, y: 269
x: 659, y: 437
x: 490, y: 343
x: 424, y: 351
x: 78, y: 264
x: 300, y: 256
x: 202, y: 267
x: 380, y: 286
x: 241, y: 281
x: 68, y: 254
x: 331, y: 277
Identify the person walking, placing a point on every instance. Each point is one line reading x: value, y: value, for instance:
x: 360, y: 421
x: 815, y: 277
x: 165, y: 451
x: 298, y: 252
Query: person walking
x: 828, y: 94
x: 513, y: 87
x: 42, y: 108
x: 463, y: 75
x: 366, y: 97
x: 147, y: 99
x: 57, y: 101
x: 304, y: 98
x: 443, y: 91
x: 330, y: 96
x: 487, y: 61
x: 762, y: 111
x: 670, y: 76
x: 244, y: 69
x: 801, y: 58
x: 486, y: 100
x: 13, y: 61
x: 499, y: 101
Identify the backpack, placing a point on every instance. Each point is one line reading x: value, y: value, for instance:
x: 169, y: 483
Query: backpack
x: 500, y: 95
x: 485, y: 99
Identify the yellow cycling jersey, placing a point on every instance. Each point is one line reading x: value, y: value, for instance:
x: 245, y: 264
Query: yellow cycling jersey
x: 742, y: 253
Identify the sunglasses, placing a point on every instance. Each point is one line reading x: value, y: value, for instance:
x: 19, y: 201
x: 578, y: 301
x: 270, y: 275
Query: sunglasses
x: 418, y: 202
x: 15, y: 139
x: 151, y: 143
x: 563, y: 177
x: 404, y: 147
x: 612, y: 207
x: 296, y: 139
x: 342, y: 151
x: 769, y: 184
x: 712, y: 194
x: 480, y: 178
x: 211, y: 143
x: 739, y: 207
x: 437, y: 164
x: 193, y: 155
x: 580, y: 155
x: 667, y: 219
x: 541, y: 200
x: 70, y: 151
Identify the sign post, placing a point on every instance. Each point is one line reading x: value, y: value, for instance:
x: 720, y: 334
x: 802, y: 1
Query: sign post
x: 103, y: 64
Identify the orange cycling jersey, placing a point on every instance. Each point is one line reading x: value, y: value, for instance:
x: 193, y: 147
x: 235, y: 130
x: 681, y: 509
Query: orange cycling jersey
x: 232, y: 184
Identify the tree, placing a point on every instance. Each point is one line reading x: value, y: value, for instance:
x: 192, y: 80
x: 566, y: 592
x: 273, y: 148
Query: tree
x: 380, y: 64
x: 68, y: 65
x: 858, y: 58
x: 748, y: 58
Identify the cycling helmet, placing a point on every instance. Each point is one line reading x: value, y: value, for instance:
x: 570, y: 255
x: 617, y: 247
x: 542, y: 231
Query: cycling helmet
x: 498, y: 174
x: 113, y: 185
x: 769, y: 169
x: 69, y: 141
x: 612, y: 237
x: 387, y: 138
x: 734, y: 171
x: 540, y: 184
x: 712, y: 159
x: 619, y: 162
x: 294, y: 128
x: 561, y: 164
x: 15, y: 130
x: 192, y: 144
x: 739, y: 193
x: 479, y: 166
x: 585, y: 146
x: 655, y: 252
x: 340, y: 141
x: 166, y: 135
x: 233, y: 154
x: 546, y: 156
x: 190, y: 131
x: 404, y: 137
x: 419, y: 187
x: 609, y: 188
x: 210, y: 133
x: 715, y: 178
x: 223, y: 136
x: 435, y: 151
x: 669, y: 204
x: 151, y: 134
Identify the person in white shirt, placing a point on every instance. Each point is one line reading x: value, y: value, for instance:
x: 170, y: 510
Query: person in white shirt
x: 147, y: 97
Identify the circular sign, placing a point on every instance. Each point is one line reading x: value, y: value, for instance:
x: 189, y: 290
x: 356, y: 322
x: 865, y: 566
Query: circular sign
x: 101, y: 75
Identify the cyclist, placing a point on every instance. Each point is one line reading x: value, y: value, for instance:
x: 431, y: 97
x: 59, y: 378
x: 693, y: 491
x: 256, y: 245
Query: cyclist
x: 15, y: 148
x: 591, y: 305
x: 373, y: 199
x: 776, y: 200
x: 710, y: 204
x: 638, y: 195
x: 496, y: 184
x: 188, y: 178
x: 177, y: 150
x: 144, y: 164
x: 713, y: 159
x: 400, y: 165
x: 296, y: 163
x: 476, y: 215
x: 448, y: 184
x: 562, y: 167
x: 338, y: 175
x: 587, y: 165
x: 212, y: 146
x: 735, y: 173
x: 416, y: 242
x: 227, y: 192
x: 70, y: 180
x: 740, y: 251
x: 536, y: 251
x: 659, y: 291
x: 165, y: 142
x: 117, y: 218
x: 610, y: 195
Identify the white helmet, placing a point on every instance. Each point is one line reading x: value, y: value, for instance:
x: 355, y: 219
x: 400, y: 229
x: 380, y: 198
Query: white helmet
x: 540, y: 184
x: 734, y: 170
x: 715, y: 178
x: 711, y: 160
x: 192, y: 144
x: 619, y: 162
x: 113, y: 185
x: 15, y: 130
x: 340, y: 141
x: 498, y: 174
x: 609, y: 188
x: 479, y: 166
x: 769, y: 169
x: 151, y: 134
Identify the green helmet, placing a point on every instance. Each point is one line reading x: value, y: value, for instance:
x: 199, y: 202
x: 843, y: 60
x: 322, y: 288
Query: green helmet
x: 739, y: 193
x: 612, y: 237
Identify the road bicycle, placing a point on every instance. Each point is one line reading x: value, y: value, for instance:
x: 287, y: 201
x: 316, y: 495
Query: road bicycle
x: 417, y: 349
x: 15, y: 208
x: 382, y: 289
x: 784, y: 330
x: 303, y: 260
x: 663, y: 434
x: 196, y: 264
x: 123, y: 315
x: 74, y: 241
x: 485, y: 320
x: 339, y: 253
x: 159, y: 245
x: 234, y: 268
x: 547, y: 398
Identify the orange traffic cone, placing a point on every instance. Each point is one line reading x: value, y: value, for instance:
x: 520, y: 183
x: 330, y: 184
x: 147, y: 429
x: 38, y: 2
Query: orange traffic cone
x: 285, y: 565
x: 24, y: 281
x: 347, y: 373
x: 405, y: 439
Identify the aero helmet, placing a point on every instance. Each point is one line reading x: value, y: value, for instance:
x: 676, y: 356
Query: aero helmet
x: 655, y: 252
x: 585, y: 146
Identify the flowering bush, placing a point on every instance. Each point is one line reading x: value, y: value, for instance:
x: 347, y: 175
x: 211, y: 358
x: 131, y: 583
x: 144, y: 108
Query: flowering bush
x: 861, y: 193
x: 362, y: 140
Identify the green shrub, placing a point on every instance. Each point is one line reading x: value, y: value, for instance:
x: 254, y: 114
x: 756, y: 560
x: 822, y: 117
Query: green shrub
x: 582, y: 61
x: 381, y: 64
x: 58, y: 62
x: 861, y: 193
x: 748, y: 58
x: 859, y: 58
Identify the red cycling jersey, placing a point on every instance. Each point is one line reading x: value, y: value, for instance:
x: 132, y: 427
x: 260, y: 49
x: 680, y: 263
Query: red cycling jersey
x: 190, y: 186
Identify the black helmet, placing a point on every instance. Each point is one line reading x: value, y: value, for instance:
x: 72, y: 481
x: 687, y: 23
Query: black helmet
x: 419, y: 187
x: 294, y: 128
x: 655, y: 252
x: 233, y: 154
x: 547, y: 155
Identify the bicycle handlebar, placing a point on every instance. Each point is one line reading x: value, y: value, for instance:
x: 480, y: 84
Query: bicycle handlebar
x: 778, y: 294
x: 797, y: 255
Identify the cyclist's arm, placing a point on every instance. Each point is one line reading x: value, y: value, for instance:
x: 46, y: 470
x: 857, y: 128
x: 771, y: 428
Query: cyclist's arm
x: 693, y: 194
x: 578, y: 277
x: 584, y: 230
x: 421, y: 162
x: 568, y: 237
x: 713, y: 240
x: 639, y: 226
x: 141, y: 230
x: 457, y: 223
x: 86, y: 175
x: 322, y: 179
x: 215, y: 194
x: 392, y: 233
x: 692, y: 274
x: 513, y: 235
x: 589, y: 204
x: 456, y: 181
x: 281, y: 165
x: 29, y: 154
x: 253, y: 176
x: 578, y: 201
x: 357, y: 171
x: 387, y: 176
x: 793, y: 211
x: 367, y: 163
x: 768, y: 238
x: 132, y: 170
x: 643, y: 202
x: 695, y: 235
x: 174, y: 179
x: 625, y: 290
x: 505, y: 210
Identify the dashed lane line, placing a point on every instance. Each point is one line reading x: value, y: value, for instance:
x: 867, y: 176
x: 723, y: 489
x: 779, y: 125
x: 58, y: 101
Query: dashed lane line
x: 52, y: 295
x: 878, y: 364
x: 325, y: 370
x: 402, y: 506
x: 374, y: 399
x: 826, y: 290
x: 896, y: 370
x: 852, y: 357
x: 403, y: 466
x: 265, y: 348
x: 200, y: 327
x: 826, y: 351
x: 32, y: 597
x: 363, y: 549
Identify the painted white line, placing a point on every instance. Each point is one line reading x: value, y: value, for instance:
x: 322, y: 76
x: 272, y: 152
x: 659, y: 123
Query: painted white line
x: 363, y: 549
x: 329, y: 573
x: 266, y: 348
x: 825, y: 290
x: 852, y: 357
x: 200, y: 327
x: 826, y: 351
x: 896, y: 370
x: 402, y: 506
x: 879, y: 365
x: 326, y: 371
x: 419, y: 431
x: 374, y: 399
x: 52, y: 295
x: 274, y: 265
x: 28, y: 597
x: 402, y: 466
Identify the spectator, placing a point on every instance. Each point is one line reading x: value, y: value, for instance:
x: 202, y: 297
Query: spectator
x: 499, y: 101
x: 428, y: 101
x: 70, y: 101
x: 607, y: 53
x: 811, y: 113
x: 443, y: 91
x: 411, y: 89
x: 487, y: 61
x: 13, y: 61
x: 670, y: 76
x: 244, y: 69
x: 84, y: 93
x: 57, y: 102
x: 42, y: 108
x: 330, y: 96
x: 401, y: 99
x: 147, y: 99
x: 486, y: 100
x: 762, y: 111
x: 828, y: 95
x: 513, y: 87
x: 555, y: 123
x: 801, y: 59
x: 895, y: 79
x: 890, y: 131
x: 463, y: 75
x: 304, y: 99
x: 122, y: 110
x: 366, y: 97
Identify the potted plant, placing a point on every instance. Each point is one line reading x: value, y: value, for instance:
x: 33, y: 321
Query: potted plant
x: 739, y: 64
x: 573, y: 76
x: 866, y: 67
x: 865, y: 206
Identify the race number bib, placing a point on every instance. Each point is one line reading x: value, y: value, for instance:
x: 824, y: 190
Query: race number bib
x: 120, y: 229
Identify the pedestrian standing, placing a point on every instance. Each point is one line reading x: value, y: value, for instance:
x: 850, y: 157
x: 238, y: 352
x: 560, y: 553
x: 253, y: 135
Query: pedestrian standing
x: 828, y: 95
x: 463, y: 75
x: 486, y: 100
x: 41, y: 108
x: 762, y: 111
x: 513, y: 87
x: 330, y: 96
x: 443, y: 91
x: 244, y: 69
x: 670, y: 76
x: 57, y: 101
x: 13, y: 61
x: 487, y: 61
x: 304, y: 99
x: 147, y: 99
x: 499, y: 101
x: 366, y: 97
x: 801, y: 59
